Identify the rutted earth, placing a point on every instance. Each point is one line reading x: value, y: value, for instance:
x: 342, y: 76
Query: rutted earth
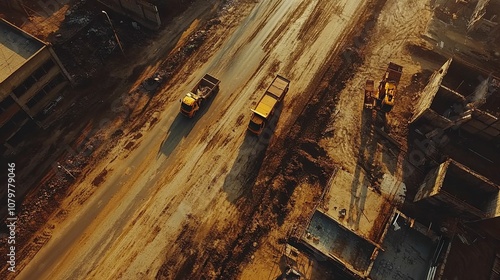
x: 190, y: 199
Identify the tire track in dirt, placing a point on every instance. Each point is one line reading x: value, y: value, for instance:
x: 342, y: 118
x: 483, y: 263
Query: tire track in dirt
x: 174, y: 203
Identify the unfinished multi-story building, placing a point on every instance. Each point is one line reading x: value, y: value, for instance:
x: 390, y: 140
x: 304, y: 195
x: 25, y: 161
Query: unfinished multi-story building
x: 458, y: 115
x: 364, y: 232
x: 463, y: 99
x: 31, y: 78
x: 467, y: 29
x: 466, y: 207
x: 485, y: 20
x: 456, y: 123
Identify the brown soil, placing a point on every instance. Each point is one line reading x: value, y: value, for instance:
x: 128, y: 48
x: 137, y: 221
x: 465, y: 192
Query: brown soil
x: 288, y: 166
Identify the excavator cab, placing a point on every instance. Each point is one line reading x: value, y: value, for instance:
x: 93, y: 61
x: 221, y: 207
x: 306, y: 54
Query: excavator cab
x: 383, y: 98
x: 386, y: 94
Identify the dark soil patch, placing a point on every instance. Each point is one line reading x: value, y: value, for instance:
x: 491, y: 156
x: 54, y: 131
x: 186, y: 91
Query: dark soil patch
x: 117, y: 133
x: 129, y: 145
x: 187, y: 266
x: 100, y: 178
x: 137, y: 136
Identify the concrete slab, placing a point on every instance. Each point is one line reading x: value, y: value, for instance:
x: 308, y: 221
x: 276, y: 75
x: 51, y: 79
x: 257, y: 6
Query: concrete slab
x: 356, y: 206
x: 334, y: 241
x: 407, y: 253
x: 15, y: 48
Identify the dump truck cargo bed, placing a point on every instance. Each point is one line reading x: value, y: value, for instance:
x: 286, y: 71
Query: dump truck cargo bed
x: 206, y: 86
x: 278, y: 87
x: 265, y: 105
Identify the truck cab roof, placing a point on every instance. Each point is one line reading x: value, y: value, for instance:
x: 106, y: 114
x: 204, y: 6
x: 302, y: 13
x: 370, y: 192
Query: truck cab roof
x: 190, y: 99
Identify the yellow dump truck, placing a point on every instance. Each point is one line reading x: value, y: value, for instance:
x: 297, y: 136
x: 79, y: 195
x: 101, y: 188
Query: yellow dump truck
x: 191, y: 102
x: 383, y: 97
x: 267, y: 104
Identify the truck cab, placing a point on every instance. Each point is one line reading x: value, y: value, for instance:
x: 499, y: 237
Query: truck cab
x: 190, y: 104
x: 257, y: 123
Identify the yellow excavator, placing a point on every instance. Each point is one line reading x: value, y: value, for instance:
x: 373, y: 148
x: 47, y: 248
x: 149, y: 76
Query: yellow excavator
x: 382, y: 98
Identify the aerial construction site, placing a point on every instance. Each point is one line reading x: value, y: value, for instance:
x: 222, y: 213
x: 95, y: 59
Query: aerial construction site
x: 247, y: 139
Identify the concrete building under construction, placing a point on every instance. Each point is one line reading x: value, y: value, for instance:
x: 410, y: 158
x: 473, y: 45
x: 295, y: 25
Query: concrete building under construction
x: 464, y: 99
x: 465, y: 206
x: 456, y: 124
x: 458, y: 116
x: 31, y: 79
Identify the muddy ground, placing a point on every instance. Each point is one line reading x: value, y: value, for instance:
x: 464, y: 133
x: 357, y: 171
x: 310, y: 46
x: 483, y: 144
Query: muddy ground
x: 148, y: 193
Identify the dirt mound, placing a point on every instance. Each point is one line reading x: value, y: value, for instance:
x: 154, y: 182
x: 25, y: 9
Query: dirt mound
x: 308, y: 158
x: 268, y: 204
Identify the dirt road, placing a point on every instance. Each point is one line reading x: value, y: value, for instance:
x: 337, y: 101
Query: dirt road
x: 180, y: 173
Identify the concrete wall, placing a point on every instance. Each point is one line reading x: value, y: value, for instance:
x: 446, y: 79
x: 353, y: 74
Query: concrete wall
x: 432, y: 182
x: 493, y: 206
x: 5, y: 116
x: 429, y: 92
x: 464, y: 210
x: 438, y: 190
x: 436, y: 119
x: 55, y: 75
x: 436, y: 110
x: 23, y: 72
x: 12, y: 4
x: 485, y: 19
